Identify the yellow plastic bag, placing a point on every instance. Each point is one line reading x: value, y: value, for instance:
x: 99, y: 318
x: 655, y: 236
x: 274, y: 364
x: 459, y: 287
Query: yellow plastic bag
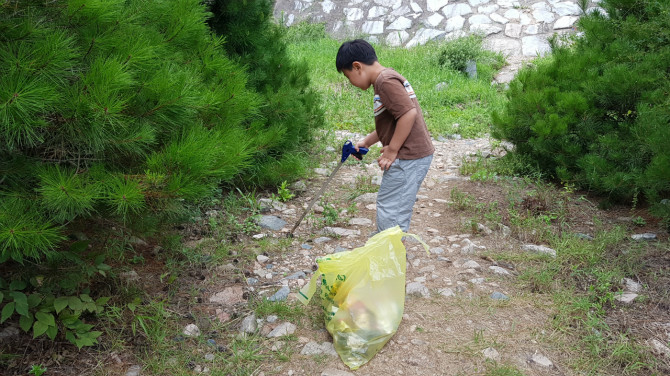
x: 363, y: 295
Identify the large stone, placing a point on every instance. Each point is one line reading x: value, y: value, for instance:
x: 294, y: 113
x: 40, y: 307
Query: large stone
x: 434, y: 20
x: 327, y: 6
x: 280, y: 295
x: 396, y: 39
x: 360, y: 222
x: 403, y: 10
x: 625, y: 297
x: 249, y: 324
x: 541, y: 6
x: 340, y: 231
x: 470, y: 264
x: 498, y: 18
x: 418, y: 289
x: 402, y: 23
x: 314, y: 348
x: 541, y: 360
x: 499, y: 296
x: 499, y: 270
x: 475, y: 3
x: 513, y: 30
x: 416, y: 8
x: 538, y: 248
x: 535, y: 45
x: 479, y: 19
x: 446, y: 292
x: 567, y: 8
x: 454, y: 10
x: 454, y: 23
x: 488, y: 9
x: 543, y: 16
x: 282, y: 330
x: 435, y: 5
x: 373, y: 27
x: 507, y: 46
x: 491, y: 353
x: 375, y: 12
x: 565, y: 22
x: 191, y: 330
x: 631, y: 285
x: 424, y: 35
x: 659, y: 347
x: 229, y: 296
x: 271, y: 222
x: 353, y: 14
x: 645, y: 236
x: 395, y: 4
x: 512, y: 14
x: 367, y: 197
x: 509, y: 3
x: 134, y: 370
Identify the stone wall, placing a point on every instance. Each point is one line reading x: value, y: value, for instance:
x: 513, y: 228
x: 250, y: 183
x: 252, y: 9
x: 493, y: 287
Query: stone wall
x: 518, y: 28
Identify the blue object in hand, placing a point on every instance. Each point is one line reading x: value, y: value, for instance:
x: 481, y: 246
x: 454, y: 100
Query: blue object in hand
x: 349, y: 149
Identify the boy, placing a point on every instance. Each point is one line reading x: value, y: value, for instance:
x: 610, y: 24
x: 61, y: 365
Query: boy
x: 407, y: 149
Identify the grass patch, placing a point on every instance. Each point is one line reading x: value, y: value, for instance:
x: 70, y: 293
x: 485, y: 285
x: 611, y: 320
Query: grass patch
x: 458, y: 105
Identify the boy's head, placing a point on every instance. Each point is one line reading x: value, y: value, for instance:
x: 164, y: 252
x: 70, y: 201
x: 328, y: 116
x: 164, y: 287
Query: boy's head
x: 354, y: 50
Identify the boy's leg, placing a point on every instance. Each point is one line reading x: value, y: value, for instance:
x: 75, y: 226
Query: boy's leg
x: 397, y: 193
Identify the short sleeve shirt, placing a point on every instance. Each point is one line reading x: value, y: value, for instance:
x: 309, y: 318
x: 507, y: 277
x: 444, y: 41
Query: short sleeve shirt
x: 393, y: 98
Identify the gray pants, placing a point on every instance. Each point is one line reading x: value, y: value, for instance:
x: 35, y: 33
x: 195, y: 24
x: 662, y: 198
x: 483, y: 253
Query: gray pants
x: 398, y: 190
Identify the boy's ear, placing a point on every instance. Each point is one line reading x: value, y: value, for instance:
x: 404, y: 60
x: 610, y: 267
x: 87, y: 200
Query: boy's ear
x: 356, y: 65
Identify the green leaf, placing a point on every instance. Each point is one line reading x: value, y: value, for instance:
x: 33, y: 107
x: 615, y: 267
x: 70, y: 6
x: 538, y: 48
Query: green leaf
x: 46, y: 318
x: 34, y: 300
x: 85, y: 298
x: 26, y: 322
x: 80, y: 246
x: 39, y: 328
x: 2, y: 296
x: 21, y: 302
x: 17, y: 285
x: 70, y: 336
x: 7, y: 311
x: 102, y: 301
x: 60, y: 303
x: 74, y: 303
x: 52, y: 332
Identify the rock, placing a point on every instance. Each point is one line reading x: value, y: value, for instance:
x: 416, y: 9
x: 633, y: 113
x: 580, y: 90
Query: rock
x: 479, y: 19
x: 659, y: 347
x: 435, y: 5
x: 488, y: 9
x: 470, y: 247
x: 395, y: 40
x: 322, y: 239
x: 339, y: 249
x: 418, y: 289
x: 437, y: 251
x: 271, y: 222
x: 475, y: 3
x: 491, y: 353
x: 373, y: 27
x: 137, y: 241
x: 499, y: 270
x: 470, y: 264
x: 625, y: 297
x: 402, y: 23
x: 565, y: 22
x: 484, y: 229
x: 631, y: 285
x: 314, y: 348
x: 513, y: 30
x: 277, y: 346
x: 499, y: 296
x: 280, y: 295
x: 252, y: 281
x: 229, y: 296
x: 454, y: 10
x: 360, y: 222
x: 296, y: 275
x: 335, y: 372
x: 298, y: 187
x: 249, y: 324
x: 282, y: 330
x: 588, y: 237
x: 262, y: 259
x: 9, y: 334
x: 130, y: 276
x: 506, y: 231
x: 340, y: 231
x: 367, y: 198
x: 541, y: 360
x: 567, y: 8
x: 266, y: 204
x: 543, y: 16
x: 259, y: 236
x: 446, y: 291
x: 191, y: 330
x: 209, y: 357
x: 307, y: 246
x: 424, y: 35
x: 134, y: 370
x: 539, y: 249
x: 271, y: 319
x: 434, y: 20
x: 453, y: 24
x: 535, y: 45
x: 498, y: 18
x: 322, y: 171
x: 645, y: 236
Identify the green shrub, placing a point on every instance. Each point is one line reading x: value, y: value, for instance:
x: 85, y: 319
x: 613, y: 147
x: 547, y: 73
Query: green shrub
x: 597, y: 112
x: 456, y: 53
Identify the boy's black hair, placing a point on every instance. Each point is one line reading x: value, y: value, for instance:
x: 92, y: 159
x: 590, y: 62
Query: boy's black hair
x: 354, y: 50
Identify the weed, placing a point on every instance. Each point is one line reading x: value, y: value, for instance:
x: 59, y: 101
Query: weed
x: 284, y: 310
x: 283, y: 193
x: 37, y: 370
x: 461, y: 200
x: 493, y: 369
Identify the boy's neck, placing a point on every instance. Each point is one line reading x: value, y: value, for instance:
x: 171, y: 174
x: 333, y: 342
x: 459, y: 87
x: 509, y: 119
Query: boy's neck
x: 374, y: 71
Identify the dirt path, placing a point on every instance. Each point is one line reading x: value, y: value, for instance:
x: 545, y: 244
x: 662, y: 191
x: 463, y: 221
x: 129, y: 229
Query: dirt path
x: 462, y: 310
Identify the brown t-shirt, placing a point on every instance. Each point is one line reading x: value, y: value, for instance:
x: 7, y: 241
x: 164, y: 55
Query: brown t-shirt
x: 394, y: 96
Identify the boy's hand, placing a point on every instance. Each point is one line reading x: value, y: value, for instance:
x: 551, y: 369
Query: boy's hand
x: 360, y: 144
x: 387, y: 158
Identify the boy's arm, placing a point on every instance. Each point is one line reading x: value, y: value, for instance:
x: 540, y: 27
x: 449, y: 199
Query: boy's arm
x: 402, y: 129
x: 368, y: 141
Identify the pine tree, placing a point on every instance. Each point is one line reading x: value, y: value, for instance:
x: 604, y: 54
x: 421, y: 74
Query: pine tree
x: 597, y: 112
x: 116, y: 108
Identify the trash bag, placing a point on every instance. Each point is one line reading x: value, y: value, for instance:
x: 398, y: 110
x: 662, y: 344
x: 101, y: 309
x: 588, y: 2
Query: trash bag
x: 363, y: 295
